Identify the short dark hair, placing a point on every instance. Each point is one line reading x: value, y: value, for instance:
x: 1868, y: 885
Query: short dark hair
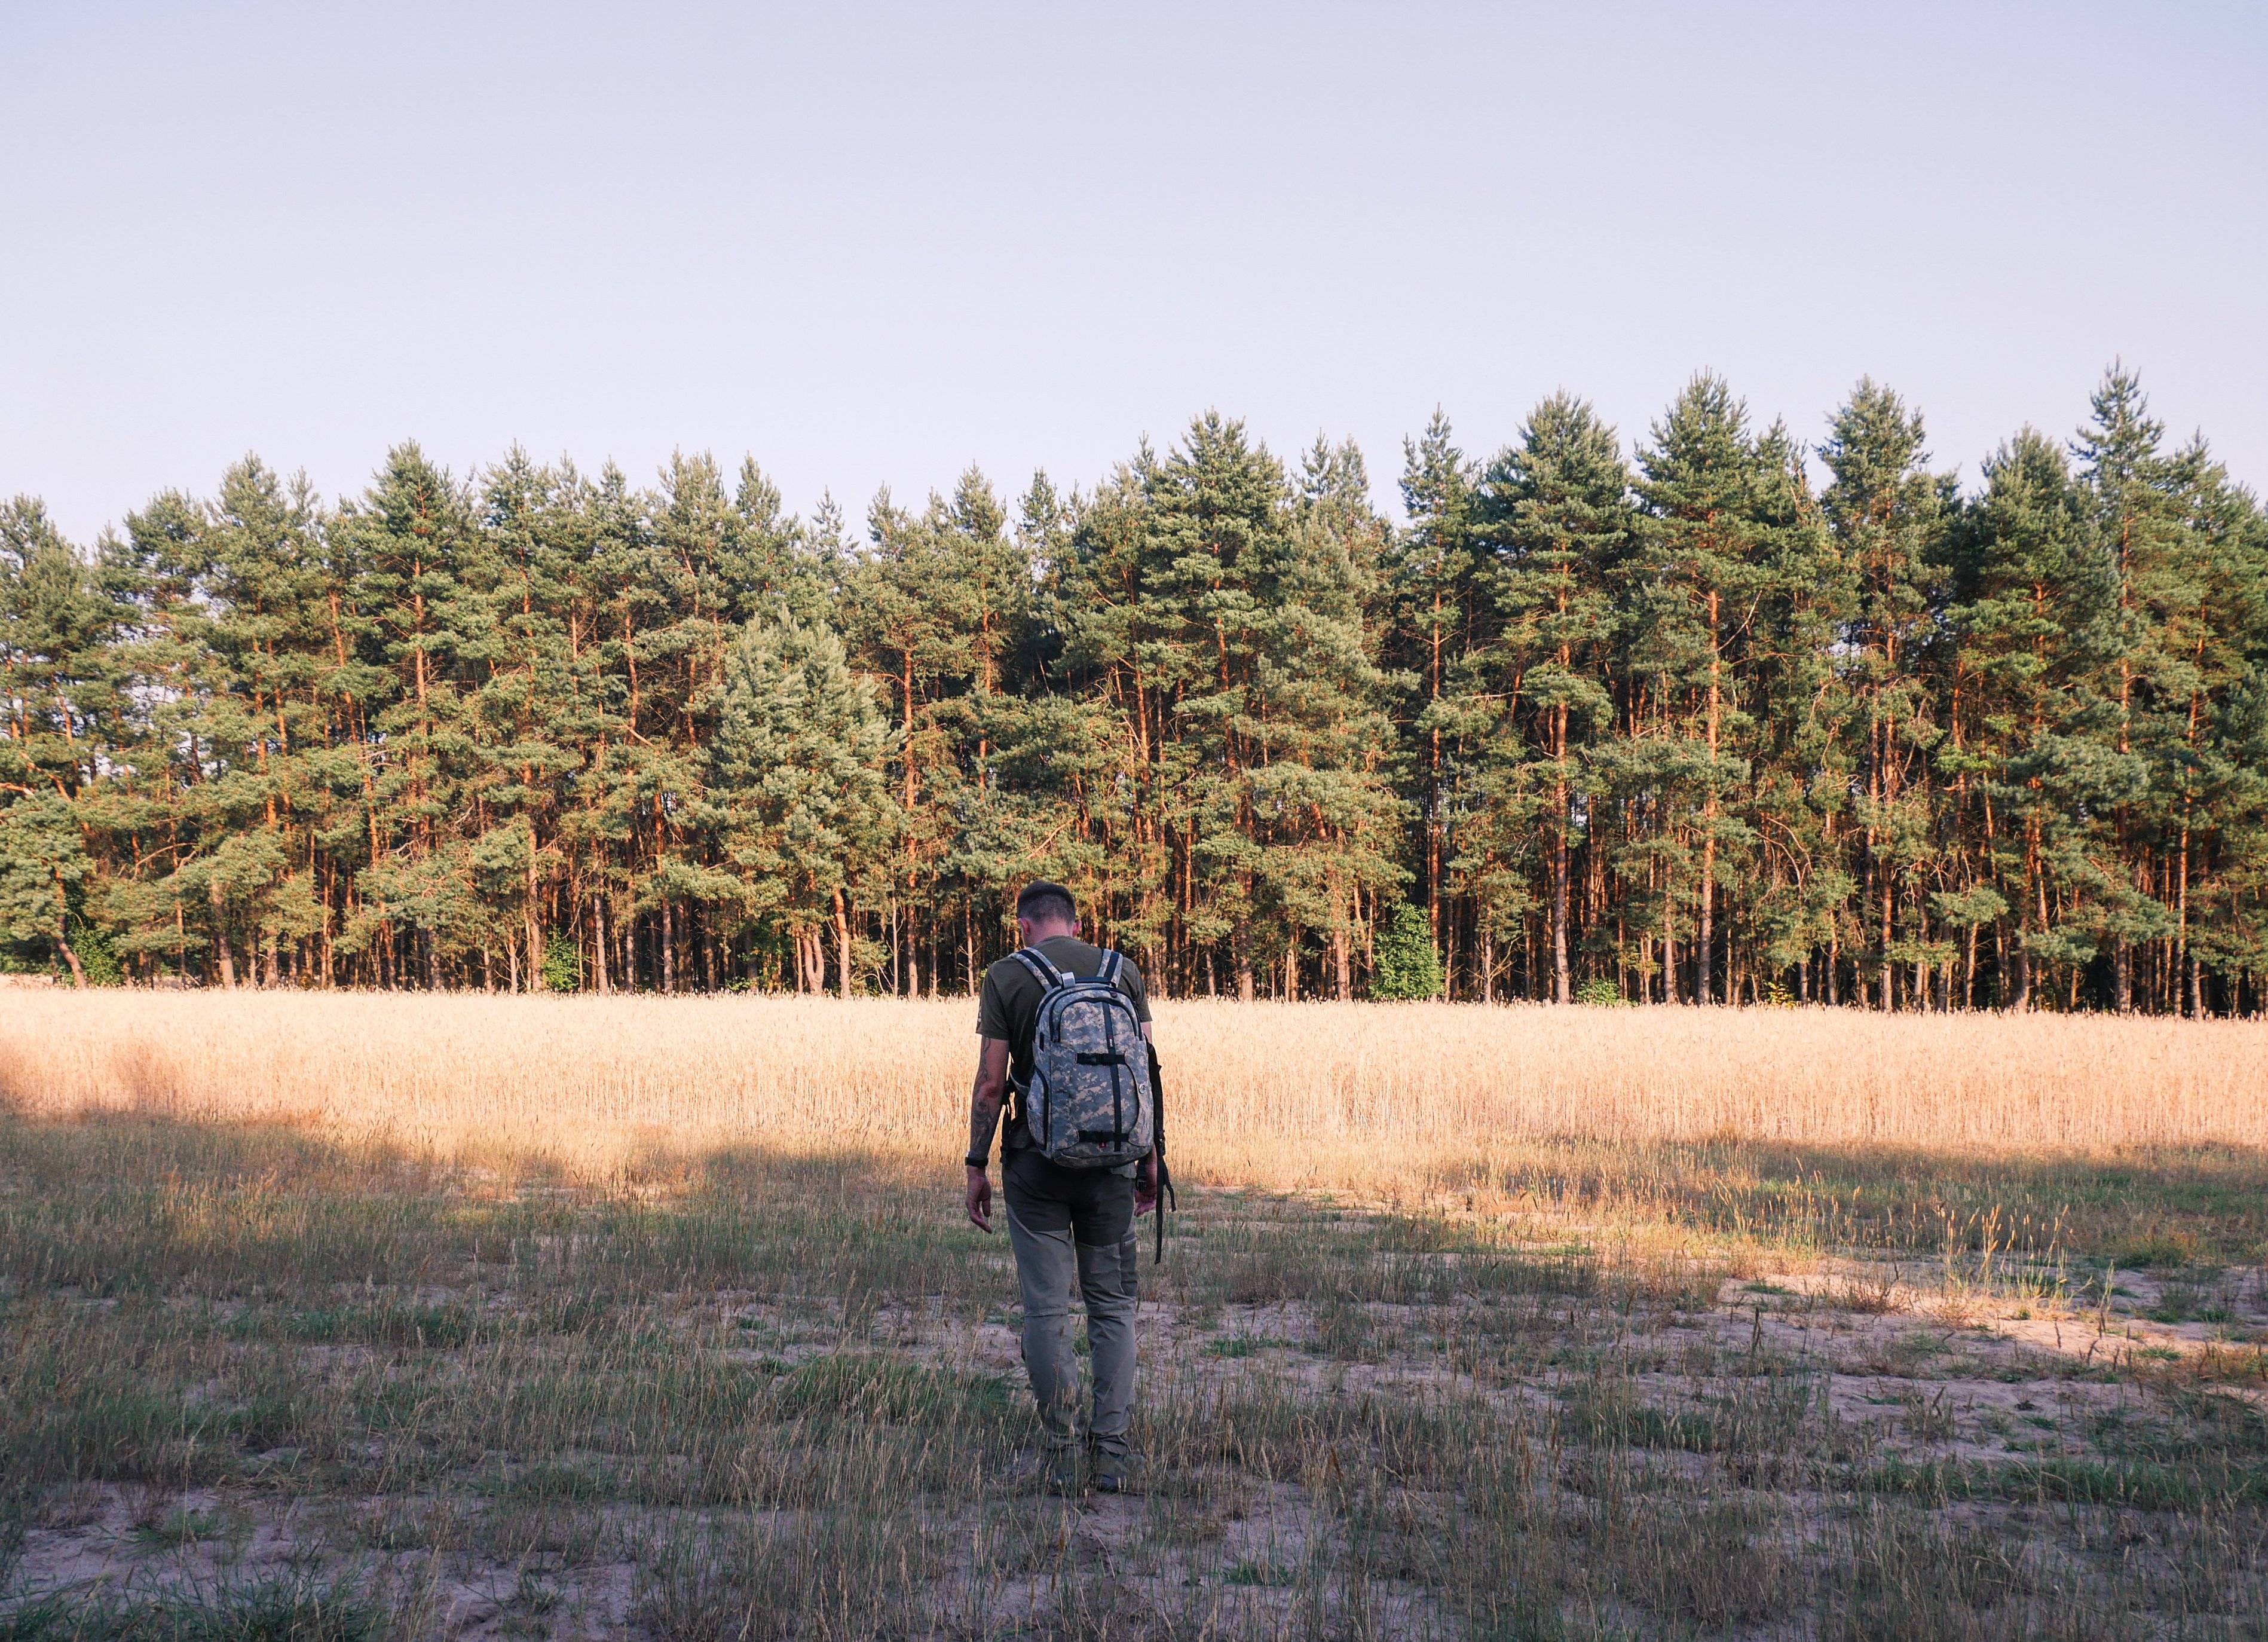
x: 1044, y: 902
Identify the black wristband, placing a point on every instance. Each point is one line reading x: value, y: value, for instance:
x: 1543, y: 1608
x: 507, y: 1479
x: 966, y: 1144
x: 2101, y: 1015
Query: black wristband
x: 977, y: 1160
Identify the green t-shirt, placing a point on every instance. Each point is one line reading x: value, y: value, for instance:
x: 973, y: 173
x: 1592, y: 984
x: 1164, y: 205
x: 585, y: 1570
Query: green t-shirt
x: 1008, y: 1007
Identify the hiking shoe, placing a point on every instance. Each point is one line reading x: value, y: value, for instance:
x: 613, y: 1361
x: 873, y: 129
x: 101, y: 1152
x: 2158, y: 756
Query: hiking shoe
x: 1111, y: 1473
x: 1059, y: 1473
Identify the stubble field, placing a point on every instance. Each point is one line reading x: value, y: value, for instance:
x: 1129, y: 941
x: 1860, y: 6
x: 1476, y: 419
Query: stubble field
x: 355, y: 1316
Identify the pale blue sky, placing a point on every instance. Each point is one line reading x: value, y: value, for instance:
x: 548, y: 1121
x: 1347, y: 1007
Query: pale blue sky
x: 873, y: 243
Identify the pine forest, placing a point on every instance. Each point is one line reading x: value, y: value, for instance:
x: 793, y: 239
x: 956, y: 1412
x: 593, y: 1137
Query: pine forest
x: 1710, y: 716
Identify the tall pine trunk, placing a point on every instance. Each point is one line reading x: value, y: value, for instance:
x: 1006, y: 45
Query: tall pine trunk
x: 1562, y: 982
x: 534, y: 917
x: 220, y: 934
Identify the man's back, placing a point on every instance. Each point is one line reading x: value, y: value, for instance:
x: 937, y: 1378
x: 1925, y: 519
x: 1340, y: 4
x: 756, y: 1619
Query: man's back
x: 1008, y: 1007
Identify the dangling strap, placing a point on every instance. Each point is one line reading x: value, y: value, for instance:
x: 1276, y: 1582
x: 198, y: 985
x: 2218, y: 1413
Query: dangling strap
x: 1164, y: 1175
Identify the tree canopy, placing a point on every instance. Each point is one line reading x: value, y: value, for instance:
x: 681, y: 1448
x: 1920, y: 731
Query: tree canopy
x: 1709, y: 716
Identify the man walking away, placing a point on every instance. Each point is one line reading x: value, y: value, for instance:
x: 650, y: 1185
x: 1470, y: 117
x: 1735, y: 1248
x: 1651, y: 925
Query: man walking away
x: 1078, y: 1164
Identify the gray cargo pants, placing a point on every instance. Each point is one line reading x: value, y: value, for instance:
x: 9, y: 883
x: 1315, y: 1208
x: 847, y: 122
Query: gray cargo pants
x: 1072, y: 1231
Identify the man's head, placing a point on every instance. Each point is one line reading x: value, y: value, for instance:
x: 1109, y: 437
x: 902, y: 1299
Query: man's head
x: 1044, y: 909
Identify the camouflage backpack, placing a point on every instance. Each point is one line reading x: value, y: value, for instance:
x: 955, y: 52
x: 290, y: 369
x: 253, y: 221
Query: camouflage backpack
x: 1088, y: 1105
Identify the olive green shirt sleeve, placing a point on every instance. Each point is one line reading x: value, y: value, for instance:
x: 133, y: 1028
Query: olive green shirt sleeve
x: 1131, y: 983
x: 992, y: 1009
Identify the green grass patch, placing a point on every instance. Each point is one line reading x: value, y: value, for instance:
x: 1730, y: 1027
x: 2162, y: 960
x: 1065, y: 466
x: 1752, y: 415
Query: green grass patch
x: 263, y: 1610
x: 2133, y: 1485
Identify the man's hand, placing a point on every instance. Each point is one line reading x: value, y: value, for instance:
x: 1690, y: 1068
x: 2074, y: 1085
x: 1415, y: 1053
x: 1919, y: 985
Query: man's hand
x: 1145, y: 1186
x: 980, y: 1199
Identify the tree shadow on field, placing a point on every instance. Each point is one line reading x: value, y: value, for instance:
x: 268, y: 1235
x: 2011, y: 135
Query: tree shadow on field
x: 2136, y: 1207
x: 141, y: 1201
x: 138, y: 1201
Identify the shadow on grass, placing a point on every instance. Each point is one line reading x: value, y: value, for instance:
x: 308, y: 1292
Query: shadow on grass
x: 113, y: 1205
x: 2163, y: 1207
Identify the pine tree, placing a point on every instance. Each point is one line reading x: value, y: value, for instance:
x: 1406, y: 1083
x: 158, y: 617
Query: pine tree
x: 1692, y: 591
x: 44, y: 610
x: 1795, y: 902
x: 1437, y: 604
x: 60, y: 691
x: 1887, y: 511
x: 1555, y: 514
x: 1214, y: 511
x: 802, y: 746
x: 2216, y: 809
x: 2034, y: 605
x: 1121, y: 641
x: 411, y: 534
x: 2172, y: 630
x: 1336, y: 822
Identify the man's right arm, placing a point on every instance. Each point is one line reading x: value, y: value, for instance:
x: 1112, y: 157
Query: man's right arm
x: 984, y: 1100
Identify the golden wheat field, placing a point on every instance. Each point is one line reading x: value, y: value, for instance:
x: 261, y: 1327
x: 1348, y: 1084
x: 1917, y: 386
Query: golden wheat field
x: 351, y: 1318
x: 1273, y: 1095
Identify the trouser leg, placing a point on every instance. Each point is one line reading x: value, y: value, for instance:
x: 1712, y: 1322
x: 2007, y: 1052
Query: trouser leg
x: 1109, y: 1282
x: 1049, y: 1272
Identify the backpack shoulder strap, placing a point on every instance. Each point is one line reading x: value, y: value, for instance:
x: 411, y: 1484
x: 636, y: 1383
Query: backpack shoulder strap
x: 1108, y: 973
x: 1049, y: 976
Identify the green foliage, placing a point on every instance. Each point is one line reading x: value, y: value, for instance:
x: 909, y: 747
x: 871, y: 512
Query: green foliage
x: 802, y: 747
x: 1408, y: 965
x: 1598, y: 992
x: 562, y: 965
x: 98, y: 955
